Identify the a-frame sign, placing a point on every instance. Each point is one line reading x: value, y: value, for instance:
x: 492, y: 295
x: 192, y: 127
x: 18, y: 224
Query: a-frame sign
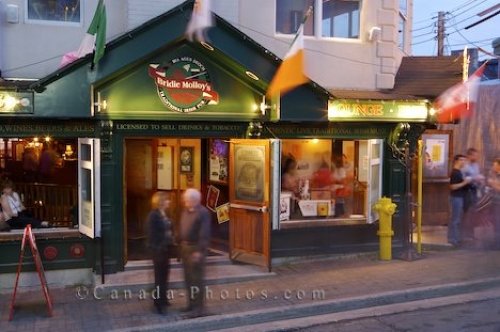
x: 28, y: 236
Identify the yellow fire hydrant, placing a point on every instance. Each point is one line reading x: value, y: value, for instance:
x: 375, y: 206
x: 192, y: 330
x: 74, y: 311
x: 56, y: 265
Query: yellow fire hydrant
x: 385, y: 209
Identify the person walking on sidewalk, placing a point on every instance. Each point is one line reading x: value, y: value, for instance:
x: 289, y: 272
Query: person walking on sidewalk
x: 458, y: 191
x: 194, y: 238
x: 494, y: 184
x: 160, y: 237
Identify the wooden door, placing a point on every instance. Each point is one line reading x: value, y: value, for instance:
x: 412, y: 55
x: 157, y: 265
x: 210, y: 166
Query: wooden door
x: 249, y: 225
x: 139, y: 180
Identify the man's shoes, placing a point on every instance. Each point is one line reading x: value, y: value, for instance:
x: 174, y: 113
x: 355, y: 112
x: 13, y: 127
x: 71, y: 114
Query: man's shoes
x: 197, y: 313
x: 159, y: 309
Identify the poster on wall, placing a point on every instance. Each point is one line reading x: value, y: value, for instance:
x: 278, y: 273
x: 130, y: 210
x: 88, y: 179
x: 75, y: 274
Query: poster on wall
x: 249, y: 162
x: 222, y: 213
x: 212, y: 197
x: 436, y: 155
x: 218, y: 161
x: 164, y: 177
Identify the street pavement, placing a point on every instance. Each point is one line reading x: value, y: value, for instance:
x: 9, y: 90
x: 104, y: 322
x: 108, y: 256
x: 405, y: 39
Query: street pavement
x: 299, y: 289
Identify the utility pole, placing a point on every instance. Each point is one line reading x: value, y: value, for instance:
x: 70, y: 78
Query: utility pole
x: 440, y: 33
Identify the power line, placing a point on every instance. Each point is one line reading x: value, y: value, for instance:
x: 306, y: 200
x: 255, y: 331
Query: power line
x: 475, y: 45
x: 468, y: 9
x: 425, y: 27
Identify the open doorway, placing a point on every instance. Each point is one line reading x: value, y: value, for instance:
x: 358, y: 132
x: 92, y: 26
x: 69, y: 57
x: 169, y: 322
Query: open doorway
x: 173, y: 165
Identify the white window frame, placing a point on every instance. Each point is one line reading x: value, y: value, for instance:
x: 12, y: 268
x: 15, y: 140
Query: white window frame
x: 52, y: 22
x: 403, y: 17
x: 89, y: 212
x: 318, y: 22
x: 374, y: 196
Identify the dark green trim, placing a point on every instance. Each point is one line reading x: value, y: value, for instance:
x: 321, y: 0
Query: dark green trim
x: 10, y: 255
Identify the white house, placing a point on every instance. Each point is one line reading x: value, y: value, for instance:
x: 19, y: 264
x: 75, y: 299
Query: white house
x: 350, y: 44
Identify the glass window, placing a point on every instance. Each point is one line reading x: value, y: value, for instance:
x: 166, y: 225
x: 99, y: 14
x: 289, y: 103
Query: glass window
x: 44, y: 175
x: 403, y: 7
x: 290, y: 14
x: 54, y: 10
x: 401, y: 32
x: 329, y: 181
x: 340, y: 19
x: 403, y: 17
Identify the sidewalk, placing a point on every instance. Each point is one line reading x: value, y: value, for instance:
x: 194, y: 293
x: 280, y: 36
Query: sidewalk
x: 341, y: 283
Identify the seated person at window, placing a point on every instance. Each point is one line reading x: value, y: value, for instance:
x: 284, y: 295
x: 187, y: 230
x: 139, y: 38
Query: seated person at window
x: 341, y: 188
x: 14, y: 211
x: 290, y: 179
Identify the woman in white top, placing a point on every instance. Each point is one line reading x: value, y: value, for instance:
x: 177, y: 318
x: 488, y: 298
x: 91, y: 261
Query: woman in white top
x: 15, y: 213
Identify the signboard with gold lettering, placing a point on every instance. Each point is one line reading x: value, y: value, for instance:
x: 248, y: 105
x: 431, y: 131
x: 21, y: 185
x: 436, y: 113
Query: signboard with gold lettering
x: 16, y: 102
x: 397, y: 111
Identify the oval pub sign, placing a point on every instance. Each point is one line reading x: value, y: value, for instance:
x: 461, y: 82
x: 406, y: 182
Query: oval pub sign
x: 183, y: 84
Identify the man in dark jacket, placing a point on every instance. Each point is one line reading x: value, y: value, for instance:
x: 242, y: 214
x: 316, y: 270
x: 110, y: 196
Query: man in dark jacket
x: 459, y: 187
x: 194, y: 238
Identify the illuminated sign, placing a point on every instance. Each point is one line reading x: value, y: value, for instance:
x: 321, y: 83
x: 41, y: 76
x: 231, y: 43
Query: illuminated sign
x: 183, y: 84
x: 16, y: 102
x: 353, y: 110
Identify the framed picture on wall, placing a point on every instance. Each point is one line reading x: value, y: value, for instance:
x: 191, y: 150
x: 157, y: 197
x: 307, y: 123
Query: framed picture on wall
x: 223, y: 213
x: 218, y: 161
x: 186, y: 155
x: 436, y: 154
x: 212, y: 197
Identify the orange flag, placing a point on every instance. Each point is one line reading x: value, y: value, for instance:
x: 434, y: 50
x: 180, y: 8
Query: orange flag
x: 291, y: 74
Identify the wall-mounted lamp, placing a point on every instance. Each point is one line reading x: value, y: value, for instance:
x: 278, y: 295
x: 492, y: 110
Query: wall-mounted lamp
x: 374, y: 33
x: 101, y: 106
x: 263, y: 107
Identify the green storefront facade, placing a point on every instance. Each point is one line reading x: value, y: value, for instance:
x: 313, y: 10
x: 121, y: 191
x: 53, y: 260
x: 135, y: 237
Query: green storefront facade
x: 155, y: 88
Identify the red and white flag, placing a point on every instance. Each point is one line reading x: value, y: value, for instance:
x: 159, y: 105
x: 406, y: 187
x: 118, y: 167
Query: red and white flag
x: 458, y: 102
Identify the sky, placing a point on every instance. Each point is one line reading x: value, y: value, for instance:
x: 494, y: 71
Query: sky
x: 461, y: 13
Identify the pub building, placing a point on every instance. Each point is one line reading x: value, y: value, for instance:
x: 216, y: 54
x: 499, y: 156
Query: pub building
x: 296, y: 176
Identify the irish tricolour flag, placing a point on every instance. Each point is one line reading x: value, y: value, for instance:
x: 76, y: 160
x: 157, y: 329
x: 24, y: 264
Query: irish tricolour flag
x: 291, y: 74
x: 94, y: 40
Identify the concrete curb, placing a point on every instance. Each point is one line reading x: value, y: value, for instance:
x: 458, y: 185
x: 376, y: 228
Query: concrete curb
x: 297, y: 324
x: 227, y: 321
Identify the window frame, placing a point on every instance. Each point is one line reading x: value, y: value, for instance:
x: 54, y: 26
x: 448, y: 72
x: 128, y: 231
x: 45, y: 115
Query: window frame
x: 318, y: 23
x: 403, y: 17
x: 52, y: 22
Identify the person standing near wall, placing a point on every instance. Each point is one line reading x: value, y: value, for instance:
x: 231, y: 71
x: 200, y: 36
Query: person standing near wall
x: 474, y: 189
x: 472, y: 169
x: 458, y: 191
x: 194, y: 238
x: 160, y: 237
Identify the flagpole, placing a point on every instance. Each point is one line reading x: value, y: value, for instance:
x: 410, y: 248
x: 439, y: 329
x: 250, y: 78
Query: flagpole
x: 304, y: 20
